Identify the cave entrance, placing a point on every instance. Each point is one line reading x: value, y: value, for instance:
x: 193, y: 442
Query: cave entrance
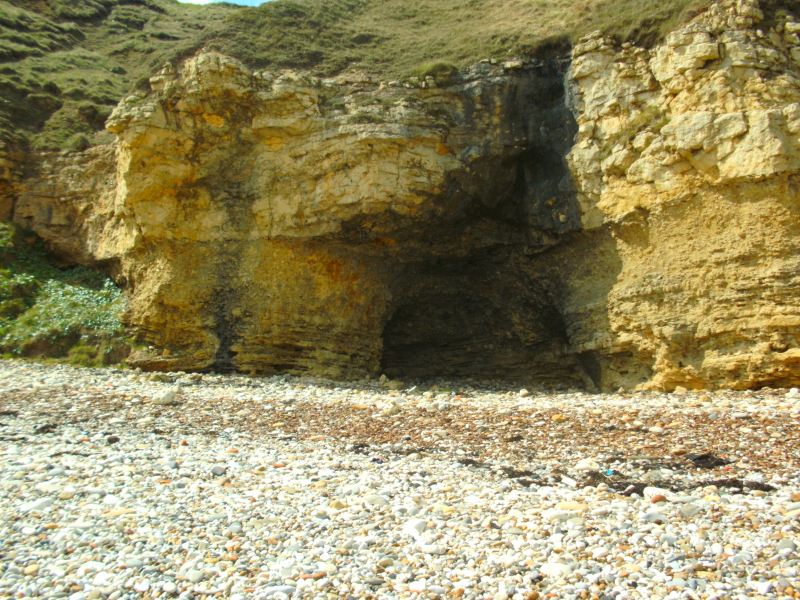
x: 476, y: 319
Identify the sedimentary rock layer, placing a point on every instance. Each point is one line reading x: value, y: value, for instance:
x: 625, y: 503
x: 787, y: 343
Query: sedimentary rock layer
x: 689, y: 154
x: 621, y: 217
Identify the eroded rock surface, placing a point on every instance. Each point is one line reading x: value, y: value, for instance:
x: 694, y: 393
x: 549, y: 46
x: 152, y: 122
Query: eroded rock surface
x: 269, y: 221
x: 626, y: 218
x: 689, y: 154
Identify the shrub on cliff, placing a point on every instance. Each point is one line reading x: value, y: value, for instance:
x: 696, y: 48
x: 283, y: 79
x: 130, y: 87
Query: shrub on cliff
x: 46, y: 311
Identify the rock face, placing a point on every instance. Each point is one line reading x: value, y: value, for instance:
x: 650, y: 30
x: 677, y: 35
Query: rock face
x: 627, y: 217
x: 266, y: 222
x: 689, y: 156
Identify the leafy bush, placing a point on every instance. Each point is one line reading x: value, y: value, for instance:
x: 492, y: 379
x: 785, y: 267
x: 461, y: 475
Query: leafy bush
x: 46, y: 311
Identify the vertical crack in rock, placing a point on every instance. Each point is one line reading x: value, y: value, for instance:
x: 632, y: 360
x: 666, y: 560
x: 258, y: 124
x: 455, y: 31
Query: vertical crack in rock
x: 229, y: 286
x: 224, y: 303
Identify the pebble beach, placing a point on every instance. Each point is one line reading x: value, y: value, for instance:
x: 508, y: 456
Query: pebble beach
x: 120, y: 484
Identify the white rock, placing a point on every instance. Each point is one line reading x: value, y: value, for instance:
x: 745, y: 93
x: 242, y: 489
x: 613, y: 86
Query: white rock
x: 102, y: 579
x: 556, y: 570
x: 194, y: 575
x: 764, y: 587
x: 650, y: 492
x: 90, y: 567
x: 557, y: 515
x: 169, y: 587
x: 432, y: 549
x: 415, y: 527
x: 587, y: 464
x: 690, y: 510
x: 36, y: 505
x: 654, y: 517
x: 274, y: 590
x: 376, y: 500
x: 67, y: 493
x: 168, y: 398
x: 793, y: 393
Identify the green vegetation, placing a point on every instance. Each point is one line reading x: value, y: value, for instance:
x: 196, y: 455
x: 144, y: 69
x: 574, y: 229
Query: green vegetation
x: 394, y: 37
x: 441, y: 72
x: 64, y: 64
x: 46, y: 311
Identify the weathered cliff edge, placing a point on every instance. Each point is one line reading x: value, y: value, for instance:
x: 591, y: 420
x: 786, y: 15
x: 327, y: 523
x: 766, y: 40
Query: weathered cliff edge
x: 628, y: 217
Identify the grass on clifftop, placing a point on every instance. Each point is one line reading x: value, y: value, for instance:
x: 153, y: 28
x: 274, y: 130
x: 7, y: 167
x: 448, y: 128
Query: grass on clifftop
x: 48, y: 312
x: 64, y: 64
x: 394, y: 37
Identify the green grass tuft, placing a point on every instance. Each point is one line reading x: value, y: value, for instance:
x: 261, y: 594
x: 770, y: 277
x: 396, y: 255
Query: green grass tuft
x: 442, y: 72
x: 64, y: 64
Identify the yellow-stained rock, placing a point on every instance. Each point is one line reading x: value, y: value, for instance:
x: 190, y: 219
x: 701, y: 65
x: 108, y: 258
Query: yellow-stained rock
x: 689, y: 156
x: 629, y: 221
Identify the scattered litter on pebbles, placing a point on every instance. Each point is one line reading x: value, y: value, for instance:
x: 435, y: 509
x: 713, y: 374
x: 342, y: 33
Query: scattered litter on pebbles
x: 117, y: 484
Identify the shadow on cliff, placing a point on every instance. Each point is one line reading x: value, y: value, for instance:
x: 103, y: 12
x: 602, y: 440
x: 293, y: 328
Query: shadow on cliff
x: 516, y: 292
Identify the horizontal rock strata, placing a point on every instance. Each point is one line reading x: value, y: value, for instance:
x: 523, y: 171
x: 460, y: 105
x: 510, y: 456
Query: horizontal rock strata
x: 626, y: 217
x: 690, y: 155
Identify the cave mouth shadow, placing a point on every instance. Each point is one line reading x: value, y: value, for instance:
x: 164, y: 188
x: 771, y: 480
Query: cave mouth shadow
x: 478, y: 319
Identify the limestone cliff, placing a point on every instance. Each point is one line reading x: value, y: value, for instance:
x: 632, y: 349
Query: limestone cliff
x: 273, y: 221
x: 689, y: 154
x: 623, y: 216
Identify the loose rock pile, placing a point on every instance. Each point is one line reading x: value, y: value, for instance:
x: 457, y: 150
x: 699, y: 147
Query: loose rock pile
x: 117, y: 484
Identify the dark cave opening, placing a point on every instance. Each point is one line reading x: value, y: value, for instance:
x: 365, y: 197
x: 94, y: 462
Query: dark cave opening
x: 477, y: 318
x: 476, y: 302
x: 474, y: 298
